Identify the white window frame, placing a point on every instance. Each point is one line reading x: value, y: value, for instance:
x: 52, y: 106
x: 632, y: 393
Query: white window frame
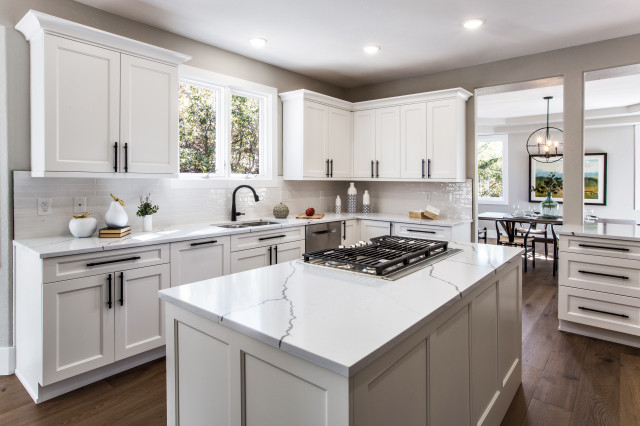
x: 268, y: 144
x: 504, y: 138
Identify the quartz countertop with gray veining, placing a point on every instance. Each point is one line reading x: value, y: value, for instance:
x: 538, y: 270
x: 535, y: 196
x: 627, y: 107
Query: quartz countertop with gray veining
x: 337, y: 319
x: 614, y: 231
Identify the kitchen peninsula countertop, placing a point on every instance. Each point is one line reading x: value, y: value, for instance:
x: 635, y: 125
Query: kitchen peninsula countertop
x: 68, y: 245
x: 336, y: 319
x: 611, y: 231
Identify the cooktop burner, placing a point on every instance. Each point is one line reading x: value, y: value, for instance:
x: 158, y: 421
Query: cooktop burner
x: 382, y: 257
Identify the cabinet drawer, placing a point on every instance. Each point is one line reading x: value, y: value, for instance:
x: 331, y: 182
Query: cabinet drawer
x: 600, y: 247
x: 598, y: 309
x: 261, y: 239
x: 611, y: 275
x: 422, y: 231
x: 82, y: 265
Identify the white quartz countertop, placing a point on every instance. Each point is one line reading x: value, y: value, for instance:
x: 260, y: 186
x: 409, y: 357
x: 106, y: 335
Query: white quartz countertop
x: 336, y: 319
x: 612, y: 231
x: 68, y: 245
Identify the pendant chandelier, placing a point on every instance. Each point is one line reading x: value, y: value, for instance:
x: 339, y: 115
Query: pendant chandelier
x: 545, y: 144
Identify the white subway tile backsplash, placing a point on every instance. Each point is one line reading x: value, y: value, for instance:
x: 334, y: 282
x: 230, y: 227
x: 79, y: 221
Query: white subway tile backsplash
x: 185, y: 201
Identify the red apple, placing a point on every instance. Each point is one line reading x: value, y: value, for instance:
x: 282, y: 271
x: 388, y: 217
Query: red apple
x: 310, y: 211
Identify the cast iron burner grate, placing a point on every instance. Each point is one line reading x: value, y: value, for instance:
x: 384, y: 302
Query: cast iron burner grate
x: 384, y: 255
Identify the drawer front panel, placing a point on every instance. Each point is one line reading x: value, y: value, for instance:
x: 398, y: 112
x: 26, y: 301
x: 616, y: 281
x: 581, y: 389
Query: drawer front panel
x: 598, y: 273
x: 262, y: 239
x: 600, y: 247
x: 597, y: 309
x: 82, y: 265
x: 422, y: 231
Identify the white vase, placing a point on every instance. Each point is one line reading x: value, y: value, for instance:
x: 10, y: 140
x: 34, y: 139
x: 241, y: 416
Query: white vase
x: 147, y: 223
x: 352, y: 194
x: 83, y: 227
x: 366, y: 202
x: 338, y: 205
x: 116, y: 216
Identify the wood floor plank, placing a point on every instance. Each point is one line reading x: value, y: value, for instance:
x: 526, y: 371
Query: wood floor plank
x: 533, y: 307
x: 543, y: 414
x: 597, y: 400
x: 629, y: 390
x: 518, y: 408
x: 538, y: 346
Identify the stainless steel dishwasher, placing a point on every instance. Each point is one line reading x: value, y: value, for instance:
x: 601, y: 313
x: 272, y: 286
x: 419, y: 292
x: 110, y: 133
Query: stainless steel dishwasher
x: 322, y: 235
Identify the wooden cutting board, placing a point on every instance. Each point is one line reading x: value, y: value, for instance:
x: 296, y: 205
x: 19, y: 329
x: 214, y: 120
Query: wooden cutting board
x: 315, y: 216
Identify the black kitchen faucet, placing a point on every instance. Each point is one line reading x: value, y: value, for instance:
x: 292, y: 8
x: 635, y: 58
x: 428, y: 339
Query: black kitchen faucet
x: 234, y: 213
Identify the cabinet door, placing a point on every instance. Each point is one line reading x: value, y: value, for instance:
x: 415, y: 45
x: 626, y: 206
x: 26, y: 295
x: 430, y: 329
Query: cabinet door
x: 139, y: 318
x: 315, y: 140
x: 443, y: 146
x: 199, y: 260
x: 77, y: 326
x: 287, y: 252
x: 388, y: 142
x: 373, y: 228
x: 149, y: 116
x: 413, y: 141
x: 364, y: 143
x: 251, y: 259
x: 350, y: 232
x: 81, y: 107
x: 340, y: 145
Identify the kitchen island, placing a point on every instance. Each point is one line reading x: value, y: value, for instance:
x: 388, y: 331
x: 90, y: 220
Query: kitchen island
x: 301, y: 344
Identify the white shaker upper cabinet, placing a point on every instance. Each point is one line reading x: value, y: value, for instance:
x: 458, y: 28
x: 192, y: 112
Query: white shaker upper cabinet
x: 364, y: 143
x: 388, y: 142
x: 413, y: 141
x: 339, y: 143
x: 446, y: 139
x: 79, y: 106
x: 314, y: 144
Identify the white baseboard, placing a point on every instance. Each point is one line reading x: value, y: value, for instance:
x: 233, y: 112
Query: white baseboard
x: 7, y: 360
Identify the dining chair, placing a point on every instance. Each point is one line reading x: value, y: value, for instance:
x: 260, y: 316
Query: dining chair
x: 617, y: 221
x: 534, y: 231
x: 546, y: 240
x: 519, y: 241
x: 482, y: 234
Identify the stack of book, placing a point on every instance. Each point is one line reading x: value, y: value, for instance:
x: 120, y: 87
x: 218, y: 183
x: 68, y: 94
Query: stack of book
x: 115, y: 232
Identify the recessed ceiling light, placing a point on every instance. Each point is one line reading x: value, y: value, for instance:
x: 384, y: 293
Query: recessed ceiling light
x: 257, y: 42
x: 472, y: 24
x: 371, y: 49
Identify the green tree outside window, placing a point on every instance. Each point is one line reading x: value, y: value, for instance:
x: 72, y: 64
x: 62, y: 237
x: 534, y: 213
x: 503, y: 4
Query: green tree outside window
x: 490, y: 167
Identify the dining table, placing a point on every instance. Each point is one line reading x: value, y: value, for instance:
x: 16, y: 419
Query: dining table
x: 510, y: 221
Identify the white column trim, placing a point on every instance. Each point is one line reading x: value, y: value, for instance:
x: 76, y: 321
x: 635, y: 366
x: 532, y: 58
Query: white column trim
x: 7, y: 360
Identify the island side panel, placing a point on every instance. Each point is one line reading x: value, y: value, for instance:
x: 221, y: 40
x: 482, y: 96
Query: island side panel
x: 232, y: 379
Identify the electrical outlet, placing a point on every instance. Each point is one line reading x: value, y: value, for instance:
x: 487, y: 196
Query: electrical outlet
x: 44, y: 206
x: 285, y: 195
x: 79, y: 204
x: 427, y: 196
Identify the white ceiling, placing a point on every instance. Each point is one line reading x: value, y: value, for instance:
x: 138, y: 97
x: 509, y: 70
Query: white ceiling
x: 599, y: 94
x: 324, y: 39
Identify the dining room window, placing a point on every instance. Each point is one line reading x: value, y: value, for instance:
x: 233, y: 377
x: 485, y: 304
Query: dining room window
x: 492, y: 155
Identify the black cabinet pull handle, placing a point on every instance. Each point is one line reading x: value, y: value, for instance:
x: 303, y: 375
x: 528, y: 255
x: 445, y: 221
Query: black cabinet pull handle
x: 331, y: 165
x: 121, y: 300
x: 422, y: 168
x: 106, y: 262
x: 126, y: 157
x: 109, y: 299
x: 429, y: 168
x: 344, y: 229
x: 421, y: 230
x: 377, y: 168
x: 603, y: 247
x: 275, y: 250
x: 371, y: 168
x: 327, y: 168
x: 622, y: 277
x: 115, y: 157
x: 603, y: 312
x: 204, y: 242
x: 270, y: 253
x: 271, y: 238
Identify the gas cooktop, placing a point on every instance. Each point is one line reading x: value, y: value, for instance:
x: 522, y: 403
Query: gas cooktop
x: 386, y: 256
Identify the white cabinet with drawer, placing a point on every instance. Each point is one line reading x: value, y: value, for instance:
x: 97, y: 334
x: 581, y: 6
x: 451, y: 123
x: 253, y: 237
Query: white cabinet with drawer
x: 422, y: 231
x: 257, y: 249
x: 599, y: 288
x: 374, y: 228
x: 198, y: 260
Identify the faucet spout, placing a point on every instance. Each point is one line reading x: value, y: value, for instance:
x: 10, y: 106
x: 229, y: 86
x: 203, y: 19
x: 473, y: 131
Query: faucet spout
x: 234, y: 213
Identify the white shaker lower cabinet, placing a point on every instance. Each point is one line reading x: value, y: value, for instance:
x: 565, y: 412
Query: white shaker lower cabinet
x: 350, y: 232
x: 84, y: 317
x: 198, y: 260
x: 462, y: 367
x: 257, y: 249
x: 373, y: 228
x: 599, y: 288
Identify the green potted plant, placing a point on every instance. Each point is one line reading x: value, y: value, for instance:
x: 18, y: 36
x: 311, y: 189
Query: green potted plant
x: 145, y: 210
x: 548, y: 185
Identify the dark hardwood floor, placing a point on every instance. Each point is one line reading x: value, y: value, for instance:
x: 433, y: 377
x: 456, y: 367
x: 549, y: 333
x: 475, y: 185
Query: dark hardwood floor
x: 566, y: 379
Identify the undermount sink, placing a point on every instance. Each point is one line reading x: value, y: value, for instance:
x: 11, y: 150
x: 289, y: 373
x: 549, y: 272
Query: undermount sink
x: 246, y: 224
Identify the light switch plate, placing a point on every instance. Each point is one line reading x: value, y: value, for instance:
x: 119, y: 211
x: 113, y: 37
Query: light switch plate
x: 427, y: 196
x: 44, y: 206
x: 79, y: 204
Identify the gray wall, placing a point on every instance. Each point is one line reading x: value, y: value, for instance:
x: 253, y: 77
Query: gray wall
x: 14, y: 76
x: 569, y: 63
